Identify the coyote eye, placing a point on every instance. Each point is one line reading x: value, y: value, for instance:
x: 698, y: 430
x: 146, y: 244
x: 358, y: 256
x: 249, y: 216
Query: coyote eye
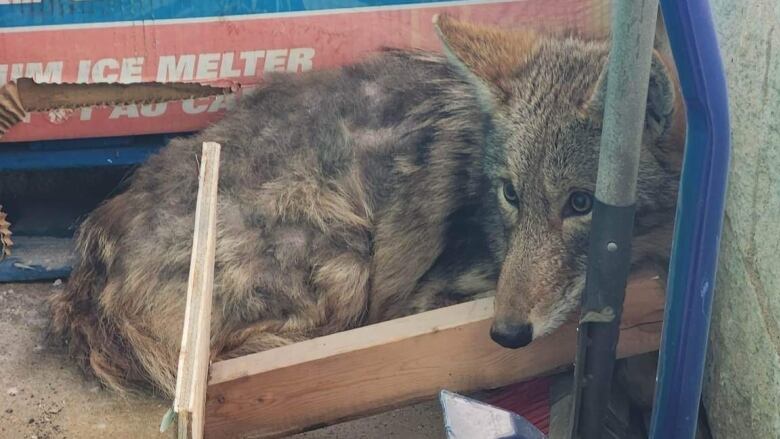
x: 509, y: 193
x: 580, y: 203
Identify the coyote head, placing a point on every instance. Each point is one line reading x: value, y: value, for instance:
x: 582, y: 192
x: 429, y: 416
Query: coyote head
x: 544, y: 98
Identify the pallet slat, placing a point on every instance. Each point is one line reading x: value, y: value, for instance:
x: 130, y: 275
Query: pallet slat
x: 194, y: 353
x: 375, y: 368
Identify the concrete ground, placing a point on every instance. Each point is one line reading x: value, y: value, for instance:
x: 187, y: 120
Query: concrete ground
x: 43, y: 396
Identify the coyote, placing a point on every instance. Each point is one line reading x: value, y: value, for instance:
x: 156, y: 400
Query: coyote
x: 406, y: 182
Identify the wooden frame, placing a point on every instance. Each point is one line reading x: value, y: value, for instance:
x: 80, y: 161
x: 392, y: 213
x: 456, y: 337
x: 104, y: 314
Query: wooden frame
x: 365, y: 370
x: 375, y: 368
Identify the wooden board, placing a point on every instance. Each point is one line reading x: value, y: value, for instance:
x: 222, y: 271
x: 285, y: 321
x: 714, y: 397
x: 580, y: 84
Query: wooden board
x: 194, y: 353
x: 374, y: 368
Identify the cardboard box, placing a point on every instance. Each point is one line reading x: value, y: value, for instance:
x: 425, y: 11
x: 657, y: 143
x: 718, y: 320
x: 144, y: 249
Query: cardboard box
x: 228, y: 45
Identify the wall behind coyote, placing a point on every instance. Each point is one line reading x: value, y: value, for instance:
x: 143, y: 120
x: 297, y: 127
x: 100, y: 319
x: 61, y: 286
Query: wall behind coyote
x: 742, y: 387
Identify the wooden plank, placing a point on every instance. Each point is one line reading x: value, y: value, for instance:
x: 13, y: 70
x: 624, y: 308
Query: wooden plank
x: 374, y: 368
x: 194, y: 355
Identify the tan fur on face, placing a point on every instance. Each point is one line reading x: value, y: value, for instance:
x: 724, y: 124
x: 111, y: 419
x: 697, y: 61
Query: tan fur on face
x: 548, y: 116
x: 533, y: 294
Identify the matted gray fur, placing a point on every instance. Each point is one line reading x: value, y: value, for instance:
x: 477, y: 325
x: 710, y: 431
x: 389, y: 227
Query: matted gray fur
x: 403, y: 183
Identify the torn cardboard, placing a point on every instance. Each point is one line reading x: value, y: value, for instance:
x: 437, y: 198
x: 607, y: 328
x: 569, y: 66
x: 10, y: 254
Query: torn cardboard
x: 11, y: 109
x: 26, y: 96
x: 5, y: 235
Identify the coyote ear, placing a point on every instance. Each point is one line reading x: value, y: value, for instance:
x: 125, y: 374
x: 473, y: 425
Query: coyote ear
x: 592, y: 106
x: 486, y: 56
x: 661, y: 98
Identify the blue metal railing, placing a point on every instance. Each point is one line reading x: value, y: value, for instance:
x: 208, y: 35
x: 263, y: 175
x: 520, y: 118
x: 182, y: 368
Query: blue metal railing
x: 700, y: 211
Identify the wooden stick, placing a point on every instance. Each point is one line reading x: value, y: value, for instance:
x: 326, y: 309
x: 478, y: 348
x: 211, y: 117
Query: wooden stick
x: 195, y: 347
x: 374, y: 368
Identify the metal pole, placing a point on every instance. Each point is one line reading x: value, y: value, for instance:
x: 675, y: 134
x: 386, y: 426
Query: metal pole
x: 609, y: 257
x: 700, y: 210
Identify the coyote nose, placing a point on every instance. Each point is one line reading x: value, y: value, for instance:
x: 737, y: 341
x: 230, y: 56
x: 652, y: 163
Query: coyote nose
x: 511, y: 336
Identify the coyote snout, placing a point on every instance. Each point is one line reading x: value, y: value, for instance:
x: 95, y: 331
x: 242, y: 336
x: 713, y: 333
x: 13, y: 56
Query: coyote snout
x: 541, y: 277
x: 511, y: 336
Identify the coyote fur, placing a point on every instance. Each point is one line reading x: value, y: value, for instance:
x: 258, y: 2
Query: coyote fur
x: 409, y: 181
